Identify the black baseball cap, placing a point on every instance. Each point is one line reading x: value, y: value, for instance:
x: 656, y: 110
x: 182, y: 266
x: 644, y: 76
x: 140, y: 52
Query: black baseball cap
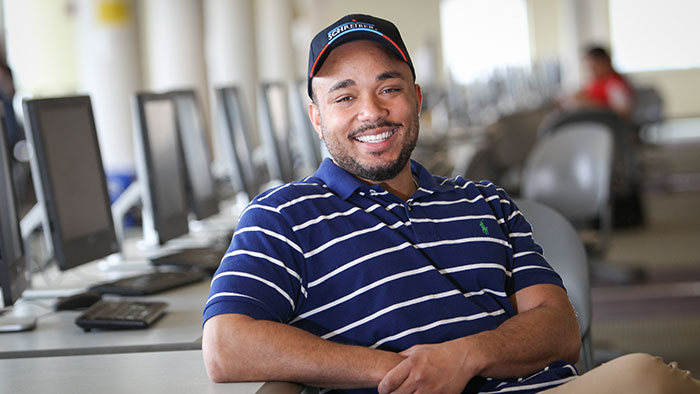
x: 352, y: 28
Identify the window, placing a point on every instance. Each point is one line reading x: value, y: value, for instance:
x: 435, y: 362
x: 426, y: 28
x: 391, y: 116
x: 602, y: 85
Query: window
x: 649, y: 35
x: 481, y: 35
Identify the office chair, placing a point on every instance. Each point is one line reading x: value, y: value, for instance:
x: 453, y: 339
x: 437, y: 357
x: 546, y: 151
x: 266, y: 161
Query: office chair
x: 473, y: 160
x: 565, y: 253
x: 627, y: 173
x: 573, y: 169
x: 570, y: 171
x: 512, y: 138
x: 648, y: 112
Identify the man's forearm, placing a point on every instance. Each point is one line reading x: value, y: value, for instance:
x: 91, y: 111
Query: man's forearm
x: 239, y: 348
x: 521, y: 345
x: 527, y: 342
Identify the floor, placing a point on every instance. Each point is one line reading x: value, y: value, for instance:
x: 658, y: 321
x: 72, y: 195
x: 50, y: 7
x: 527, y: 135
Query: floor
x: 660, y: 315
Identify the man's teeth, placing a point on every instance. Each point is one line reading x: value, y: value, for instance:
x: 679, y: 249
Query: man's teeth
x: 373, y: 139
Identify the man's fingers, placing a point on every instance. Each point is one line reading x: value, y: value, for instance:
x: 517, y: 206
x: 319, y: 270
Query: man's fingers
x: 410, y: 350
x: 393, y: 379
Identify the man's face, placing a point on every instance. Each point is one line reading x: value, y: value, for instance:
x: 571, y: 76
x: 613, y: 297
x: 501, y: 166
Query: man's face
x: 596, y: 67
x: 366, y: 110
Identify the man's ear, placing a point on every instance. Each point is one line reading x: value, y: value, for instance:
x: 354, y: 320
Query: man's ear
x: 419, y: 98
x: 315, y: 117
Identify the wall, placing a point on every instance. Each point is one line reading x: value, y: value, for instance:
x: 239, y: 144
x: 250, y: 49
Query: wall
x: 41, y: 43
x: 543, y: 18
x: 417, y: 20
x: 680, y: 90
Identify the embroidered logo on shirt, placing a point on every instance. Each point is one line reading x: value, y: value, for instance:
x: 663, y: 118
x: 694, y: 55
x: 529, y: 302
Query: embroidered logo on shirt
x: 484, y: 229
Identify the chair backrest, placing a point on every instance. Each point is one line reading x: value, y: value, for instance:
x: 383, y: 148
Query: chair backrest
x: 648, y: 106
x: 570, y: 171
x: 514, y: 136
x: 553, y: 122
x: 623, y: 132
x: 565, y: 252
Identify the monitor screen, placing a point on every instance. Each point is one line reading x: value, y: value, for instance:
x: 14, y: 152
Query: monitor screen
x: 199, y: 182
x: 275, y: 131
x: 305, y: 141
x: 71, y: 178
x: 13, y: 266
x: 160, y: 167
x: 236, y: 142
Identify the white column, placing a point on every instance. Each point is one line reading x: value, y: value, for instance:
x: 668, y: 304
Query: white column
x: 41, y: 48
x: 173, y: 52
x: 109, y: 70
x: 599, y: 21
x: 229, y: 36
x: 273, y: 23
x: 570, y: 44
x: 173, y: 35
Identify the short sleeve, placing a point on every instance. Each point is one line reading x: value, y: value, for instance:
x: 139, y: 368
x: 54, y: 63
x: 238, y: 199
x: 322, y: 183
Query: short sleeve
x: 261, y: 273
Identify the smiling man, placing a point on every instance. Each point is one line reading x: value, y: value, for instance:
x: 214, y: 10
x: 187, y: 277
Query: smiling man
x: 369, y: 120
x: 375, y: 275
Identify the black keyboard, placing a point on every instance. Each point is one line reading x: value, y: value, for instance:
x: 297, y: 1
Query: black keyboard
x: 203, y: 259
x: 149, y: 283
x: 121, y: 314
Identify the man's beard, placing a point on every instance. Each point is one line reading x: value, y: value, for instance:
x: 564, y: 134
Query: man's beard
x: 378, y: 173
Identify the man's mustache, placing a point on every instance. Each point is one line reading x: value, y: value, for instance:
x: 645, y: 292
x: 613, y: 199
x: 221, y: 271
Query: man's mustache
x: 371, y: 126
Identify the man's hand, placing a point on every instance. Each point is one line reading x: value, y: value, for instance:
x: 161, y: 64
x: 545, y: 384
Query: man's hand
x: 543, y: 331
x: 430, y: 369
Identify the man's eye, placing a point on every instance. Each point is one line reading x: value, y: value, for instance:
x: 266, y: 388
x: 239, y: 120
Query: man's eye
x: 390, y: 90
x: 342, y: 99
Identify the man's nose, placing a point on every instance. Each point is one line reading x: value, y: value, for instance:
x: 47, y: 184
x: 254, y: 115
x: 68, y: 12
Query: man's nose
x: 371, y: 109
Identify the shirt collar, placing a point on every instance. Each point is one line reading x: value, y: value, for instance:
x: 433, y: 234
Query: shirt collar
x: 344, y: 184
x: 337, y: 179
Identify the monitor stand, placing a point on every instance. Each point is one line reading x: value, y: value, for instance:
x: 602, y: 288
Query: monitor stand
x: 148, y: 245
x: 17, y: 323
x: 11, y: 321
x: 129, y: 198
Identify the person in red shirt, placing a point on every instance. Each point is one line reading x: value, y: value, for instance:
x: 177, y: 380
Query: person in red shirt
x: 607, y: 87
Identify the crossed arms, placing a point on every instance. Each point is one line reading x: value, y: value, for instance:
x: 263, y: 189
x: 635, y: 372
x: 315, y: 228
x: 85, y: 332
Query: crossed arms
x: 239, y: 348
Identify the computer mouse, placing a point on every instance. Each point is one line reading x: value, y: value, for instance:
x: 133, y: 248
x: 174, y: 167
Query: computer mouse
x: 77, y: 301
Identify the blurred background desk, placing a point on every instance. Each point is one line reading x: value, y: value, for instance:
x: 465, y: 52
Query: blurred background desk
x: 157, y: 372
x: 57, y: 335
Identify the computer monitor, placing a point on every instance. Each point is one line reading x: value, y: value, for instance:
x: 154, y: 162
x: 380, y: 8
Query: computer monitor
x: 308, y: 145
x: 275, y: 131
x: 200, y: 186
x: 159, y: 168
x: 14, y: 271
x: 237, y: 147
x: 69, y: 179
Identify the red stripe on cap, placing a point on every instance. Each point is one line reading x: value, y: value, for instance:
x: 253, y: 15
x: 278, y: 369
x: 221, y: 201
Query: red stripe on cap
x: 311, y: 74
x: 397, y: 47
x: 313, y: 67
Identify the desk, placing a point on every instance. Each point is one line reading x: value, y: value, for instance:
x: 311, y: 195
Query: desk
x: 57, y: 335
x: 157, y: 372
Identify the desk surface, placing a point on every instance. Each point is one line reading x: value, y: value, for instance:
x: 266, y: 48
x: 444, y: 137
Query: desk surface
x: 57, y: 335
x: 157, y: 372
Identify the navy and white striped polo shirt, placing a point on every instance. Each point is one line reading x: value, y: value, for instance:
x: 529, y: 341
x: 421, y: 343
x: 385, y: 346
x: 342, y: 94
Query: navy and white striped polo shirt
x: 355, y: 264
